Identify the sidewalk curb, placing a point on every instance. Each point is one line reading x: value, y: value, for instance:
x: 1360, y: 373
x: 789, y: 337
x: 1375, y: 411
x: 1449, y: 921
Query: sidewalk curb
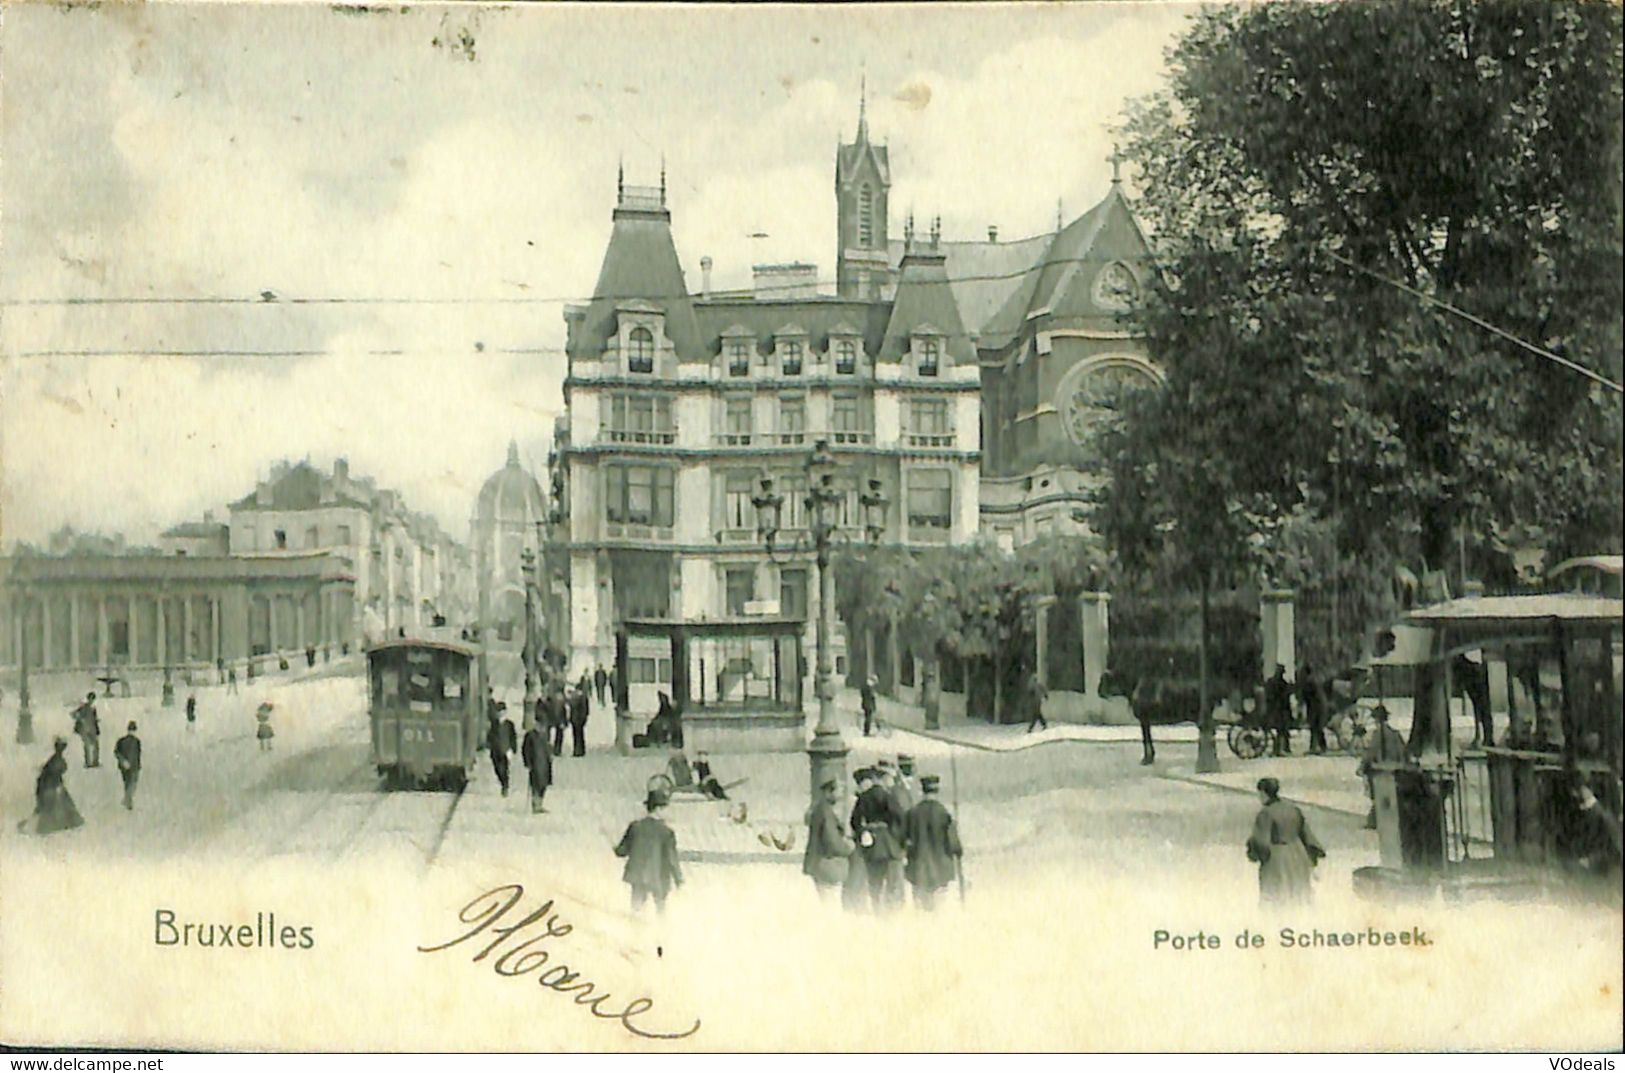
x: 1205, y: 784
x: 947, y: 740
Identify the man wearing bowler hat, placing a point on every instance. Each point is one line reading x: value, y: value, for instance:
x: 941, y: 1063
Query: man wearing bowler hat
x: 127, y: 751
x: 933, y: 845
x: 650, y: 849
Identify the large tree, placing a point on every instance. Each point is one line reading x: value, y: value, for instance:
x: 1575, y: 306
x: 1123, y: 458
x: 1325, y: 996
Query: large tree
x: 1468, y: 150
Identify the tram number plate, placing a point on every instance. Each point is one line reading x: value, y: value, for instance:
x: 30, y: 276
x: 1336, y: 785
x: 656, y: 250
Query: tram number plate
x: 417, y: 735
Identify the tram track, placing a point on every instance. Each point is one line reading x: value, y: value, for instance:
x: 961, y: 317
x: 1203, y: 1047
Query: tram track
x: 403, y: 815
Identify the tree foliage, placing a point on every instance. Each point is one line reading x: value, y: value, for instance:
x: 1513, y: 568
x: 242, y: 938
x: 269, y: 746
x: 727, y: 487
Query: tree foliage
x: 1468, y: 150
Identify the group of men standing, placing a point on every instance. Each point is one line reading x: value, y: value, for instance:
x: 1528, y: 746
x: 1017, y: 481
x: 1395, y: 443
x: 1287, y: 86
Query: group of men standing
x: 893, y: 834
x: 556, y: 708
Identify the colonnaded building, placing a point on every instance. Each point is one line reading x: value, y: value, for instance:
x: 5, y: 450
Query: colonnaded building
x: 966, y: 376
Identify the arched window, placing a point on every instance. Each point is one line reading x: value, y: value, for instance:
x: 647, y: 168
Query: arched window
x: 640, y: 356
x: 866, y: 215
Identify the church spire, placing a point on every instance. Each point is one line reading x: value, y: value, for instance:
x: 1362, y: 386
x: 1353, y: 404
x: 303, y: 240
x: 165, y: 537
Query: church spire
x: 863, y: 108
x: 513, y: 453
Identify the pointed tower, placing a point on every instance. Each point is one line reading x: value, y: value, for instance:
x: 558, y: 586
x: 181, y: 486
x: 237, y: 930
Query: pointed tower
x: 862, y: 190
x: 640, y: 280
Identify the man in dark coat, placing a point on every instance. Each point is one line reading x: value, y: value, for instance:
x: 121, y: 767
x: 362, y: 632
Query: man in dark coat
x: 1278, y: 709
x: 650, y: 849
x: 1311, y: 694
x: 127, y: 751
x: 89, y: 729
x: 829, y: 851
x: 539, y: 763
x: 600, y: 681
x: 1037, y: 694
x: 191, y: 711
x: 932, y: 842
x: 579, y: 710
x: 1473, y: 679
x: 496, y: 742
x: 556, y: 718
x: 876, y: 825
x: 866, y: 697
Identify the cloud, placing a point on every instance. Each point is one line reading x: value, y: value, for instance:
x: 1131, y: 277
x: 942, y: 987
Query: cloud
x: 226, y: 150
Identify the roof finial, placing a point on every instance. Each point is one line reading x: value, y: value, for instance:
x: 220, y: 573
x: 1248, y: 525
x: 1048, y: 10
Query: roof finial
x: 513, y: 453
x: 1117, y: 167
x: 620, y: 179
x: 662, y: 179
x: 908, y: 230
x: 1060, y: 211
x: 936, y: 232
x: 863, y: 107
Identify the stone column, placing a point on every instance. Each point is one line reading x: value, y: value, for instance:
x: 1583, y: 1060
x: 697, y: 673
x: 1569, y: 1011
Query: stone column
x: 134, y: 632
x: 160, y: 650
x: 45, y: 630
x: 270, y: 621
x: 214, y: 629
x: 186, y: 629
x: 74, y: 656
x: 103, y: 654
x: 1276, y: 623
x: 299, y: 623
x: 1041, y: 638
x: 1094, y: 614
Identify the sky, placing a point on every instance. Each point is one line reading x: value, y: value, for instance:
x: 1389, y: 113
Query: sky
x: 397, y: 204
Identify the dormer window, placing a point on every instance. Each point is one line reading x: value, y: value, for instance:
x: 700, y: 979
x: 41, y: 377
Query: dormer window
x: 738, y: 358
x: 846, y: 357
x: 640, y: 351
x: 930, y: 351
x: 792, y: 358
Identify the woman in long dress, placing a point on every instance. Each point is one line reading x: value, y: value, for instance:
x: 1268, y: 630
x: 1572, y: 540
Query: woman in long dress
x: 53, y: 807
x: 1284, y: 847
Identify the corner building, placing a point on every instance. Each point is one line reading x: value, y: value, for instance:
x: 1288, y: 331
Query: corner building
x: 678, y: 404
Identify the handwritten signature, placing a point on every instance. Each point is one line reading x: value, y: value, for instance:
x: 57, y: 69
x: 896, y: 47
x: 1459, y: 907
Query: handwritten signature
x: 528, y: 956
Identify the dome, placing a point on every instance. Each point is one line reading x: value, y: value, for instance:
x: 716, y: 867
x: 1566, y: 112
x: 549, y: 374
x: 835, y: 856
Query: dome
x: 511, y: 495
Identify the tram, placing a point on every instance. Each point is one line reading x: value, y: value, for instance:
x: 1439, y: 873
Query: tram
x: 424, y: 700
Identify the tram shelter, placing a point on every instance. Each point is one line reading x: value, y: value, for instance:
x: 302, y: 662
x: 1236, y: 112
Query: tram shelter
x: 736, y: 683
x: 1501, y: 813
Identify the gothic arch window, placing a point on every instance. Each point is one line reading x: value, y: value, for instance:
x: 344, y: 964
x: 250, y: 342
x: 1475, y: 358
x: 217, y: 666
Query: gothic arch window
x: 866, y: 215
x: 640, y: 355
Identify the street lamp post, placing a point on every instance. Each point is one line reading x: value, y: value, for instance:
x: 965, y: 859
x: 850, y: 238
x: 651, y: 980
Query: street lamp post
x: 25, y: 716
x: 827, y: 753
x: 527, y: 567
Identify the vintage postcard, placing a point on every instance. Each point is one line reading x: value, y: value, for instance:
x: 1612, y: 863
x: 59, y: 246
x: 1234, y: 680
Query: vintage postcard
x: 907, y: 528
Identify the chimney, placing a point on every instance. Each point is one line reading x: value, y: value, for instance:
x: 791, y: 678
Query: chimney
x: 993, y: 232
x: 262, y: 494
x: 341, y: 469
x: 705, y: 277
x: 208, y: 517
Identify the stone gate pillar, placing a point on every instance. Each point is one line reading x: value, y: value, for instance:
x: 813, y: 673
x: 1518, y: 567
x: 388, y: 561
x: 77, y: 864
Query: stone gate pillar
x: 1094, y: 613
x: 1277, y: 624
x: 1041, y: 639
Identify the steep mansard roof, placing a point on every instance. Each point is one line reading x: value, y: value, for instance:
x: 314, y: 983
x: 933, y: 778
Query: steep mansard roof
x: 925, y: 299
x: 817, y: 317
x: 640, y: 263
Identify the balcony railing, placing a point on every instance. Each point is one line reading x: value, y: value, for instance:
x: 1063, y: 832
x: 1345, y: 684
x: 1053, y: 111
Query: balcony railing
x: 848, y: 435
x: 734, y: 439
x: 930, y: 439
x: 794, y: 437
x: 628, y: 435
